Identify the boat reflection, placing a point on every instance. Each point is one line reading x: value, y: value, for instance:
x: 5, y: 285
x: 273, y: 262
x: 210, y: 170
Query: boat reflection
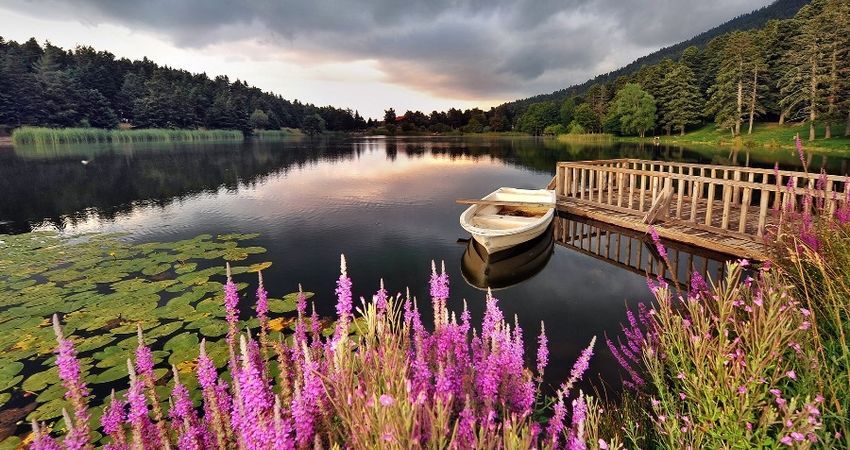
x: 507, y: 267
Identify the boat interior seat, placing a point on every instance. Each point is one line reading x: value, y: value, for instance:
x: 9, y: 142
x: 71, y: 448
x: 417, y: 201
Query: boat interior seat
x: 500, y: 222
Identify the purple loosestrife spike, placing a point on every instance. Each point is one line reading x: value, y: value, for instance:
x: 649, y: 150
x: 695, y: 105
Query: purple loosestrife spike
x: 42, y: 439
x: 182, y: 408
x: 343, y: 305
x: 657, y: 241
x: 580, y: 366
x: 144, y: 369
x: 575, y: 441
x: 282, y: 429
x: 70, y: 374
x: 542, y: 352
x: 556, y: 423
x: 301, y: 302
x: 231, y: 302
x: 262, y: 299
x: 466, y: 429
x: 112, y: 422
x: 255, y: 399
x: 75, y: 438
x: 381, y: 298
x: 137, y: 417
x: 144, y: 357
x: 801, y: 153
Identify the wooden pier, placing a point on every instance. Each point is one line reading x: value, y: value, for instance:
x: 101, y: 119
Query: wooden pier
x: 728, y: 209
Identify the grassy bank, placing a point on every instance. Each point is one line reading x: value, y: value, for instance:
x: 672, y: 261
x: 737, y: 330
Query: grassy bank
x: 768, y: 135
x: 51, y: 136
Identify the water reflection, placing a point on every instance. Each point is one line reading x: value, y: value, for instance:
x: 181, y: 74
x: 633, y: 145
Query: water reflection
x: 507, y: 267
x: 636, y: 252
x: 49, y: 185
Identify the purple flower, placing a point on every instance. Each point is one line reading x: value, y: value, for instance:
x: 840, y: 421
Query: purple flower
x: 231, y: 303
x: 381, y: 298
x: 112, y: 420
x: 262, y: 300
x: 207, y: 375
x: 144, y: 356
x: 70, y: 374
x: 343, y: 304
x: 800, y: 152
x: 386, y: 400
x: 657, y: 241
x: 556, y: 423
x: 575, y: 440
x: 42, y: 439
x: 542, y: 352
x: 466, y: 429
x: 579, y: 367
x: 439, y: 282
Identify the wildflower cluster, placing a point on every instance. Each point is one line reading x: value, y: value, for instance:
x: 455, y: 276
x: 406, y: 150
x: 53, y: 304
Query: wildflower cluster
x: 723, y: 365
x: 381, y: 380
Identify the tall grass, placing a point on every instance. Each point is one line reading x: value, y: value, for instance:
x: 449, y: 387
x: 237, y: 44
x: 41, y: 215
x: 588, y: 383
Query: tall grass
x: 277, y: 134
x: 379, y: 380
x: 52, y: 136
x: 586, y: 137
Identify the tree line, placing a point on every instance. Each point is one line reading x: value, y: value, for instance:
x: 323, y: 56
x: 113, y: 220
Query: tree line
x: 50, y: 86
x: 795, y: 69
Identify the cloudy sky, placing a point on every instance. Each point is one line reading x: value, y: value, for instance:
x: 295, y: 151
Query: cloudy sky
x: 368, y: 55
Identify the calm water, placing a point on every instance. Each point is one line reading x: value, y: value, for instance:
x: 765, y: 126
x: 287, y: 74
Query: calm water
x: 387, y: 204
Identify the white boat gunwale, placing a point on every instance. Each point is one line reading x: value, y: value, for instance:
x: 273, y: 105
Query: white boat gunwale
x: 533, y: 228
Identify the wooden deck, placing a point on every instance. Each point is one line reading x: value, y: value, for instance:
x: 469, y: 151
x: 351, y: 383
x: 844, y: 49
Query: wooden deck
x: 725, y: 208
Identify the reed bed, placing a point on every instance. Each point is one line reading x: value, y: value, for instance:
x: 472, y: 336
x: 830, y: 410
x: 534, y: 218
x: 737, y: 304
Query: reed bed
x: 277, y: 134
x: 52, y: 136
x: 586, y: 137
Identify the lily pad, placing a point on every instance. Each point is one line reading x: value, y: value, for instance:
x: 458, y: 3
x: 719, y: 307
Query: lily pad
x: 39, y: 381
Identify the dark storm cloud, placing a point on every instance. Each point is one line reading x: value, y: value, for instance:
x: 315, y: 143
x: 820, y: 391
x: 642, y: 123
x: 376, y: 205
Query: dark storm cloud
x: 457, y: 48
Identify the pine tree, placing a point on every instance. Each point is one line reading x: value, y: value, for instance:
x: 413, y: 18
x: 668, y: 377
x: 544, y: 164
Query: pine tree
x: 736, y: 82
x: 681, y: 99
x: 834, y: 24
x: 802, y: 84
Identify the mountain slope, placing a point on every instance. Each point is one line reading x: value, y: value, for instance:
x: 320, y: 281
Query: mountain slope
x: 780, y: 9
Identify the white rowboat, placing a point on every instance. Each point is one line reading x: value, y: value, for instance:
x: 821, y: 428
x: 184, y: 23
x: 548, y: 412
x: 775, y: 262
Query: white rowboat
x: 497, y: 227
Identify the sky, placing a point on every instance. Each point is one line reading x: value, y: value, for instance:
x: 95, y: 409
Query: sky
x: 369, y: 55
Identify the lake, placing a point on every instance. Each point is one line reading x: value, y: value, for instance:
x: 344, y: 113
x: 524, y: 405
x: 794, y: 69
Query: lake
x: 387, y: 204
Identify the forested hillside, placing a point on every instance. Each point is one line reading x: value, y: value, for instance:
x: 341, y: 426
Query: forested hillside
x: 780, y: 9
x: 790, y: 70
x: 50, y: 86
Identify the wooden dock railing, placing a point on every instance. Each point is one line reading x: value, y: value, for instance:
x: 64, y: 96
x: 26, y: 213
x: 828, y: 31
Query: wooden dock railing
x: 727, y: 208
x: 735, y: 201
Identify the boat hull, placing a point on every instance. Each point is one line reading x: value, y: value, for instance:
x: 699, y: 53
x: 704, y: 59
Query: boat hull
x: 497, y: 233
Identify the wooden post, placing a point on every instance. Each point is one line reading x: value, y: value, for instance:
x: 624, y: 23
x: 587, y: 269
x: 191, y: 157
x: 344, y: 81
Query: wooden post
x: 696, y: 193
x: 727, y: 204
x: 709, y: 207
x: 745, y: 206
x: 581, y: 184
x: 765, y: 199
